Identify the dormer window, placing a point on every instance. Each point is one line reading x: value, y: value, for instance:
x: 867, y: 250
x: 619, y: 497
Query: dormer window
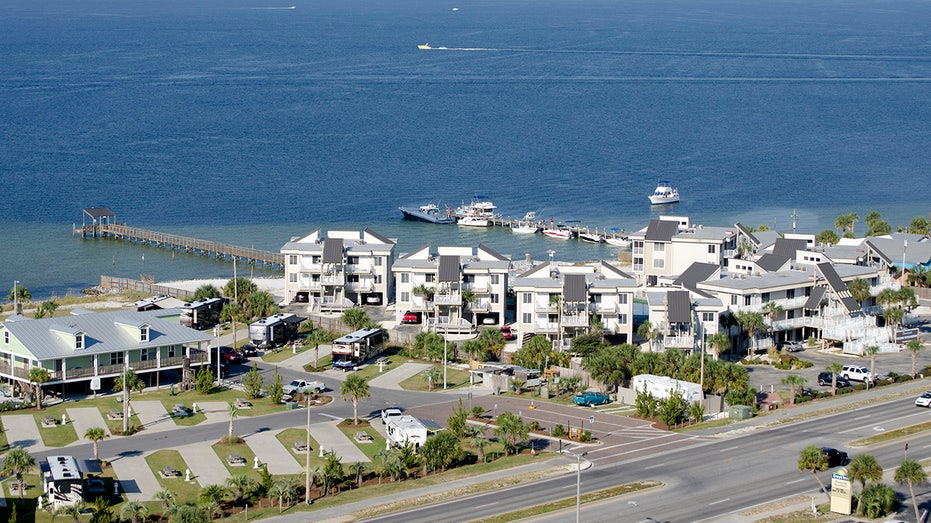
x: 6, y: 337
x: 144, y: 334
x: 78, y: 341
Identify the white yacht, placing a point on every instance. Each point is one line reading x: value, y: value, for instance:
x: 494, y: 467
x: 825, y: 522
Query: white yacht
x: 664, y: 193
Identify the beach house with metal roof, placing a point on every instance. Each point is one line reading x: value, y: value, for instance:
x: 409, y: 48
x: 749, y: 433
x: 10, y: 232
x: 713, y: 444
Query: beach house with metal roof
x: 336, y: 270
x: 86, y: 346
x: 563, y: 300
x: 447, y: 273
x: 669, y: 245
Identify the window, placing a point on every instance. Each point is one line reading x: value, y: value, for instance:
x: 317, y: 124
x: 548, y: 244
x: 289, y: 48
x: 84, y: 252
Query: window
x: 790, y: 315
x: 747, y: 300
x: 659, y: 247
x: 707, y: 317
x: 6, y: 337
x: 622, y: 299
x: 144, y: 334
x: 765, y: 297
x: 292, y: 277
x: 712, y: 249
x: 528, y: 297
x: 379, y: 261
x: 353, y: 278
x: 147, y: 354
x: 527, y: 318
x: 428, y: 278
x: 315, y: 260
x: 292, y: 259
x: 315, y: 278
x: 171, y: 351
x: 78, y: 341
x: 495, y: 298
x: 733, y: 299
x: 378, y: 279
x: 352, y: 260
x: 405, y: 277
x: 790, y: 293
x: 622, y: 319
x: 659, y: 263
x: 405, y: 296
x: 116, y: 358
x: 495, y: 279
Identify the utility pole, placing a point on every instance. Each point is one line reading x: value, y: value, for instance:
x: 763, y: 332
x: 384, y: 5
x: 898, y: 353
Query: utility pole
x: 307, y: 457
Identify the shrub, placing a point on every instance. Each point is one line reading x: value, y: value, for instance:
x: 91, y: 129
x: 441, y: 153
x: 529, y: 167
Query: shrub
x: 559, y: 431
x: 477, y: 412
x: 903, y: 378
x: 534, y: 425
x: 878, y: 500
x: 586, y: 436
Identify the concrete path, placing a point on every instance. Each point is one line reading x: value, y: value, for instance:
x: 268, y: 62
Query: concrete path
x: 298, y: 361
x: 22, y: 431
x: 216, y: 411
x: 269, y: 450
x: 153, y: 416
x: 206, y: 467
x: 330, y: 438
x: 392, y: 378
x: 86, y: 418
x: 136, y: 478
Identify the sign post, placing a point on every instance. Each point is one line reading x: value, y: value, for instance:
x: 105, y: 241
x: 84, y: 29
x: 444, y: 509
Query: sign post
x: 841, y: 493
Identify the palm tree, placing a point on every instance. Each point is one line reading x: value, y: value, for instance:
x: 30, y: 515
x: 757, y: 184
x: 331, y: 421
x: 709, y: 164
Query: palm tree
x: 75, y: 511
x: 355, y: 318
x: 859, y: 289
x: 282, y: 489
x: 188, y: 513
x: 872, y: 351
x: 914, y: 346
x: 793, y: 381
x: 47, y: 309
x: 318, y: 337
x: 433, y: 375
x: 772, y: 309
x: 355, y: 388
x: 912, y: 473
x: 37, y: 376
x: 234, y: 411
x: 647, y: 332
x: 478, y: 440
x: 719, y: 342
x: 134, y: 511
x: 843, y: 222
x: 168, y: 498
x: 468, y: 298
x: 213, y: 493
x: 863, y: 468
x: 834, y: 368
x: 813, y: 460
x: 95, y: 434
x: 18, y: 462
x: 239, y: 288
x: 22, y: 295
x: 425, y: 292
x: 205, y: 292
x: 512, y: 429
x: 750, y: 322
x: 357, y: 469
x: 240, y: 485
x: 260, y: 304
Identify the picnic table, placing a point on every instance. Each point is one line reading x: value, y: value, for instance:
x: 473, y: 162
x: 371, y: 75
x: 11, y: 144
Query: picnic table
x: 299, y: 446
x: 235, y: 459
x: 115, y: 414
x: 170, y: 472
x: 180, y: 410
x: 49, y: 421
x: 363, y: 437
x: 242, y: 403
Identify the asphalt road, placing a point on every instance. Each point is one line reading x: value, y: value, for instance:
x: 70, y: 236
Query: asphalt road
x: 707, y: 481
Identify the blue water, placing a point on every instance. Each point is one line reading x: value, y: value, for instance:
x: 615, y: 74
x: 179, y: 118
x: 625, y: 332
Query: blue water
x: 246, y: 122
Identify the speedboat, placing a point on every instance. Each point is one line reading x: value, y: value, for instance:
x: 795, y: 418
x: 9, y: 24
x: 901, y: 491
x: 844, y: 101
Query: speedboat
x: 424, y: 46
x: 473, y: 221
x: 527, y: 224
x: 664, y: 193
x: 559, y: 234
x: 618, y: 241
x: 427, y: 213
x: 591, y: 237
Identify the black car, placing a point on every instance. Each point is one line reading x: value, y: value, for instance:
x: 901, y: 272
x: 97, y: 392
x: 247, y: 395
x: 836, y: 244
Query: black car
x: 824, y: 379
x: 836, y: 458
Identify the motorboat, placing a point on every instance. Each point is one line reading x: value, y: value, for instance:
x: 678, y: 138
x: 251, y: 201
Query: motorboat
x: 664, y: 193
x: 618, y: 241
x: 477, y: 208
x: 474, y: 221
x: 424, y: 46
x: 591, y: 237
x: 427, y: 213
x: 559, y: 234
x: 527, y: 224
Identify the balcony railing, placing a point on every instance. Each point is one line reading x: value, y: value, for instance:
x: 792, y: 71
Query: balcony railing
x: 574, y: 321
x: 685, y: 342
x: 546, y: 326
x: 332, y: 280
x: 604, y: 308
x: 447, y: 299
x: 360, y: 286
x: 478, y: 288
x: 545, y: 307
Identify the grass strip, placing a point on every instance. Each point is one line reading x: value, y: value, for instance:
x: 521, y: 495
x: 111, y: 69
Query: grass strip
x: 553, y: 506
x: 892, y: 434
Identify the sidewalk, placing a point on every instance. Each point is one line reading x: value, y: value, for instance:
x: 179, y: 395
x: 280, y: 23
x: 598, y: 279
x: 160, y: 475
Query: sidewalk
x: 392, y: 378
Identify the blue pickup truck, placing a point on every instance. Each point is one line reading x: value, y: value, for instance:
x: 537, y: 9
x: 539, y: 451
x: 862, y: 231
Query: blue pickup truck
x: 591, y: 398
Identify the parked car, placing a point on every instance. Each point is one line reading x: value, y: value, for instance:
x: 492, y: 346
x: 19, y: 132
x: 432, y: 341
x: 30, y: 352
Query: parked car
x: 249, y: 350
x: 824, y: 379
x: 507, y: 333
x: 924, y: 400
x: 836, y: 458
x: 302, y: 386
x: 411, y: 317
x: 793, y: 346
x: 230, y: 355
x: 857, y: 373
x: 591, y: 398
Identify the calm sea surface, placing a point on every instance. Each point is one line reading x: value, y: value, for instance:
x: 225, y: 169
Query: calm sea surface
x: 250, y: 122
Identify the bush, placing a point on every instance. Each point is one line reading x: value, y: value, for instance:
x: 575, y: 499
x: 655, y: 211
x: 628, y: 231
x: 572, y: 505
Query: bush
x: 878, y: 500
x: 559, y: 431
x: 477, y: 412
x: 903, y: 378
x: 534, y: 425
x: 586, y: 436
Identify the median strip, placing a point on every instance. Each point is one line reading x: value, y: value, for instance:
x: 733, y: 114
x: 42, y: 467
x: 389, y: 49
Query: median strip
x: 553, y: 506
x: 892, y: 434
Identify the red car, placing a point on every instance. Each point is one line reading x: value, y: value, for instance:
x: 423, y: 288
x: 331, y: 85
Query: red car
x: 411, y: 317
x: 230, y: 355
x: 506, y: 332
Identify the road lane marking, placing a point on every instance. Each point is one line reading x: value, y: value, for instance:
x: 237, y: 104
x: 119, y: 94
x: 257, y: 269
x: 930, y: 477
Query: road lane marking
x: 886, y: 421
x: 861, y: 417
x: 487, y: 504
x: 796, y: 481
x: 654, y: 466
x: 719, y: 501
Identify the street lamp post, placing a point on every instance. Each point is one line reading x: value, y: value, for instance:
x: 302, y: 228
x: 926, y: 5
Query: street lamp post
x: 219, y: 371
x: 307, y: 457
x: 15, y: 297
x: 126, y: 370
x: 444, y: 360
x: 578, y: 486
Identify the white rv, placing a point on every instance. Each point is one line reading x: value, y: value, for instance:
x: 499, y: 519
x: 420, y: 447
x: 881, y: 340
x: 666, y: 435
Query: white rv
x: 403, y: 430
x: 662, y: 386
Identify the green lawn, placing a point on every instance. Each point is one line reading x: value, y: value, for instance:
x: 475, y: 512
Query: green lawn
x: 287, y: 438
x: 369, y: 449
x: 454, y: 378
x: 285, y: 353
x: 57, y: 436
x: 223, y: 451
x: 186, y: 491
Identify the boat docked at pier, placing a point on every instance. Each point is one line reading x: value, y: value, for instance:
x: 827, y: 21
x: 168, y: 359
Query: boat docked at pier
x: 664, y: 193
x: 619, y: 241
x: 474, y: 221
x: 427, y: 213
x: 558, y: 233
x: 591, y: 237
x: 527, y: 225
x: 477, y: 208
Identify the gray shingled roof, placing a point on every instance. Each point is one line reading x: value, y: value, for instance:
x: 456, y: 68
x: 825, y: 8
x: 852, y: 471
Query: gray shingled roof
x: 814, y: 299
x: 695, y: 273
x: 661, y: 230
x: 839, y: 287
x: 772, y: 262
x: 449, y: 269
x: 787, y: 248
x: 103, y: 332
x: 753, y: 239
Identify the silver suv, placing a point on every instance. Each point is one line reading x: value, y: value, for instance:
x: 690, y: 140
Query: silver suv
x: 857, y: 373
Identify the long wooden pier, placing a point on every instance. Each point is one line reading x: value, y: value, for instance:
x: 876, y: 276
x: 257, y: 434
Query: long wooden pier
x: 181, y: 243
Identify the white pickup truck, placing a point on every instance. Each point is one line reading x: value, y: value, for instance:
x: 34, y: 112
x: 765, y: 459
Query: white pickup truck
x: 302, y: 386
x: 390, y: 414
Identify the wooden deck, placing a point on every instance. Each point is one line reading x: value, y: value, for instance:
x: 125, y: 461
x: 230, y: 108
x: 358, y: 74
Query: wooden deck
x: 182, y: 243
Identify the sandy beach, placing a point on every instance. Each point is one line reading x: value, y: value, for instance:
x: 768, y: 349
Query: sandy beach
x: 273, y: 286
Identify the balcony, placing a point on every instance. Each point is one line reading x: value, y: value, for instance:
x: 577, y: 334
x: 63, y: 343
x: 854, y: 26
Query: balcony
x: 545, y: 327
x: 447, y: 299
x: 333, y: 280
x: 574, y: 320
x: 604, y: 308
x: 684, y: 342
x: 360, y: 286
x: 876, y: 289
x: 545, y: 307
x: 449, y: 325
x: 480, y: 306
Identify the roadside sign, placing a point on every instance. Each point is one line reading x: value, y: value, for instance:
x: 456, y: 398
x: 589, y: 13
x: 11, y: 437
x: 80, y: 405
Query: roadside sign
x: 591, y: 419
x: 95, y: 383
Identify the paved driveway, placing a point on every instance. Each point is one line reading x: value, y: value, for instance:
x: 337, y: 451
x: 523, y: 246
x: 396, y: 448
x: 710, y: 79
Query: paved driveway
x: 136, y: 478
x: 22, y: 431
x: 85, y: 418
x: 269, y: 450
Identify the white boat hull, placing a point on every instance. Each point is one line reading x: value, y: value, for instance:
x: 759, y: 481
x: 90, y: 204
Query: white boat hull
x: 590, y: 238
x: 469, y: 221
x: 618, y: 242
x: 659, y: 200
x: 557, y: 234
x: 523, y: 229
